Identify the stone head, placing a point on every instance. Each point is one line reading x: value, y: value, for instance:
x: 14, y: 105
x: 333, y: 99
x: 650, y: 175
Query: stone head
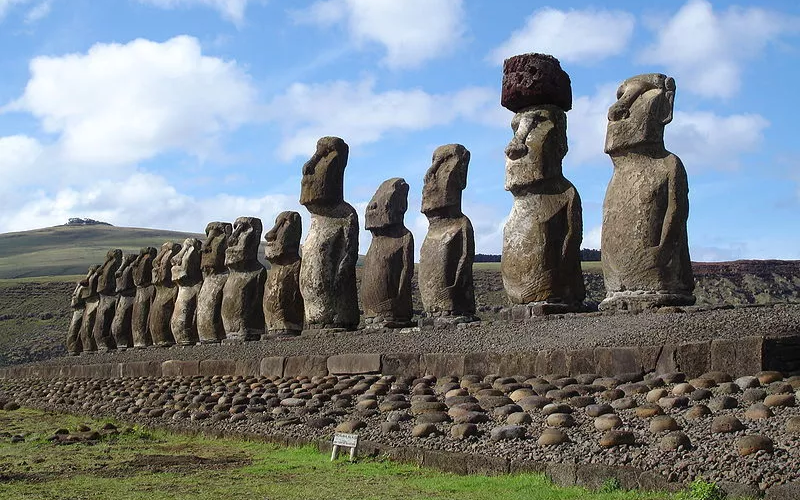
x: 283, y: 240
x: 88, y: 285
x: 213, y: 248
x: 162, y: 264
x: 538, y: 147
x: 143, y: 267
x: 323, y: 174
x: 107, y: 283
x: 644, y: 107
x: 389, y: 205
x: 243, y: 241
x: 186, y: 263
x: 446, y: 178
x: 124, y: 275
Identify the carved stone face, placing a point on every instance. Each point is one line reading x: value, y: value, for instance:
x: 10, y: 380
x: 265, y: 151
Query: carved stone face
x: 162, y: 265
x: 389, y: 205
x: 213, y: 248
x: 143, y: 267
x: 243, y: 241
x: 124, y: 275
x: 107, y: 283
x: 283, y: 240
x: 186, y: 263
x: 323, y: 174
x: 538, y: 146
x: 644, y: 106
x: 446, y: 178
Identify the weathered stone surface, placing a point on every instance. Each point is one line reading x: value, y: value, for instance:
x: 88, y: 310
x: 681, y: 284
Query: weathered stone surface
x: 145, y: 294
x: 211, y: 367
x: 448, y: 251
x: 165, y: 294
x: 406, y: 364
x: 693, y: 358
x: 284, y: 308
x: 389, y: 263
x: 330, y: 252
x: 748, y: 445
x: 125, y: 288
x: 612, y: 361
x: 178, y: 368
x: 309, y: 366
x: 543, y: 233
x: 210, y: 329
x: 78, y: 305
x: 186, y: 273
x: 107, y: 305
x: 726, y: 423
x: 243, y: 293
x: 272, y: 366
x: 645, y: 247
x: 535, y: 79
x: 552, y: 437
x: 140, y: 369
x: 351, y: 364
x: 506, y: 432
x: 442, y: 364
x: 616, y: 438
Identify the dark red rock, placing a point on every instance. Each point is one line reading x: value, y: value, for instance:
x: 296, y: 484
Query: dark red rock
x: 535, y: 79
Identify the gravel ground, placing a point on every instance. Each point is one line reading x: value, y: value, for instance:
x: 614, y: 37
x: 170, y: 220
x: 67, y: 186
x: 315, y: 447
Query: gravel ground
x: 291, y: 406
x: 571, y: 331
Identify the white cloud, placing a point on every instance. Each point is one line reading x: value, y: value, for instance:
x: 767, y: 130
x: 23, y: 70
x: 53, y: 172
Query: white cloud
x: 707, y: 50
x: 5, y: 6
x: 411, y: 31
x: 360, y: 115
x: 575, y: 36
x: 39, y: 11
x: 18, y: 154
x: 232, y: 10
x: 591, y: 238
x: 586, y: 125
x: 119, y: 104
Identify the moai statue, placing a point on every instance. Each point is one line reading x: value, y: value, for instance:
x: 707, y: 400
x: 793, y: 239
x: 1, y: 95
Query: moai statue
x: 243, y: 293
x: 166, y: 293
x: 209, y: 301
x: 448, y: 251
x: 106, y: 287
x: 91, y: 300
x: 187, y: 275
x: 645, y: 249
x: 78, y: 305
x: 330, y: 252
x: 121, y: 327
x: 145, y: 294
x: 283, y: 303
x: 389, y: 263
x: 541, y: 263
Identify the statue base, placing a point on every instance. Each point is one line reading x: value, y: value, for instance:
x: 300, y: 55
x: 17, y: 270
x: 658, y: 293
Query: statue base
x: 534, y: 309
x: 382, y: 323
x: 209, y: 341
x: 641, y: 300
x: 446, y: 319
x: 280, y: 334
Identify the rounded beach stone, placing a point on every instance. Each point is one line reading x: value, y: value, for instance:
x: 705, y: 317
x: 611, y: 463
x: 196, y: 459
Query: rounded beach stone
x: 599, y: 409
x: 607, y: 422
x: 700, y: 394
x: 427, y: 406
x: 717, y: 376
x: 783, y: 400
x: 793, y: 425
x: 506, y: 410
x: 674, y: 402
x: 612, y: 394
x: 758, y: 411
x: 768, y: 377
x: 393, y: 405
x: 624, y: 403
x: 320, y: 422
x: 616, y: 438
x: 674, y: 440
x: 697, y: 411
x: 534, y: 79
x: 556, y: 408
x: 560, y: 420
x: 552, y: 437
x: 433, y: 417
x: 682, y: 389
x: 519, y: 418
x: 506, y: 432
x: 350, y: 426
x: 367, y: 404
x: 722, y: 403
x: 491, y: 402
x: 654, y: 395
x: 424, y: 430
x: 748, y: 445
x: 753, y: 395
x: 780, y: 388
x: 533, y: 402
x: 648, y: 410
x: 663, y: 423
x: 747, y: 382
x: 389, y: 427
x: 520, y: 394
x: 726, y: 423
x: 702, y: 383
x: 463, y: 431
x: 471, y: 417
x: 728, y: 388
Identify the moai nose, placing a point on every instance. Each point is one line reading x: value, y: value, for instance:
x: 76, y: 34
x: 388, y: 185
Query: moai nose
x: 516, y: 150
x: 617, y: 112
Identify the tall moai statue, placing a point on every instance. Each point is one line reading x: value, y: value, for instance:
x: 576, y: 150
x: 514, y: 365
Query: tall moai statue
x: 145, y: 294
x: 106, y: 287
x: 645, y: 249
x: 389, y: 263
x: 91, y: 300
x: 243, y: 293
x: 210, y: 329
x: 448, y: 251
x: 187, y: 275
x: 284, y: 308
x: 122, y: 326
x: 541, y: 264
x: 78, y: 304
x: 330, y: 252
x: 166, y: 293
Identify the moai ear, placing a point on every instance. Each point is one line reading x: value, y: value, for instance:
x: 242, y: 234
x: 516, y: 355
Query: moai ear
x: 669, y: 100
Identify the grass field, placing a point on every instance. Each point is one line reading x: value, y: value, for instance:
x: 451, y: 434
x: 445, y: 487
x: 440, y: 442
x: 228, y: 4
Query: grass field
x: 139, y: 464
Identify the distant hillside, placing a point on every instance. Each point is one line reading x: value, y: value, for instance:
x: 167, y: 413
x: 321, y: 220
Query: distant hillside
x: 71, y: 249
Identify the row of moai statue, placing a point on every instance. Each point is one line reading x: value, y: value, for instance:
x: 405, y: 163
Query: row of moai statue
x: 215, y: 290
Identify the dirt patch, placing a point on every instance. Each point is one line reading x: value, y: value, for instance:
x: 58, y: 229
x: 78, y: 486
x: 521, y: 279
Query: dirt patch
x: 175, y: 464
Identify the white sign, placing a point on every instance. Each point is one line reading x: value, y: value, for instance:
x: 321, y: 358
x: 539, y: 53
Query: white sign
x: 341, y: 440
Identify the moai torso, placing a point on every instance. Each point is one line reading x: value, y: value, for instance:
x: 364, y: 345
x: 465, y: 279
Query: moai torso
x: 209, y: 301
x: 106, y: 287
x: 187, y: 275
x: 242, y: 295
x: 645, y: 251
x: 121, y: 327
x: 284, y: 307
x: 91, y: 299
x: 78, y: 304
x: 448, y: 251
x: 166, y: 293
x: 389, y: 263
x: 330, y: 252
x: 142, y: 270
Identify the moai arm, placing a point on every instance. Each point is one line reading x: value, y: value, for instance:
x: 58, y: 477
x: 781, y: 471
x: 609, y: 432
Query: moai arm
x: 408, y: 267
x: 677, y: 209
x: 349, y: 247
x: 574, y: 224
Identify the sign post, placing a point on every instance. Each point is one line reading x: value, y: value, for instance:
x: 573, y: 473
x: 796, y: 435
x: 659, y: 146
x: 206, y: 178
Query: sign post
x: 341, y: 440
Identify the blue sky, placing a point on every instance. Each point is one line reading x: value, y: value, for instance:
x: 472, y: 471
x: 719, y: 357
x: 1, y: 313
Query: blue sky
x: 173, y: 113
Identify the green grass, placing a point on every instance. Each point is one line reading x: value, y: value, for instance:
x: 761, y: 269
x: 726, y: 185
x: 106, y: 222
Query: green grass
x: 138, y: 464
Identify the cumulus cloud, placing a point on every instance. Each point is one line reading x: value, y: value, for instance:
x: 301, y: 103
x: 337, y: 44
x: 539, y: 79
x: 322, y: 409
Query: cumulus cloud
x: 120, y: 104
x: 362, y: 115
x: 575, y: 36
x: 707, y: 50
x: 412, y: 31
x: 232, y: 10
